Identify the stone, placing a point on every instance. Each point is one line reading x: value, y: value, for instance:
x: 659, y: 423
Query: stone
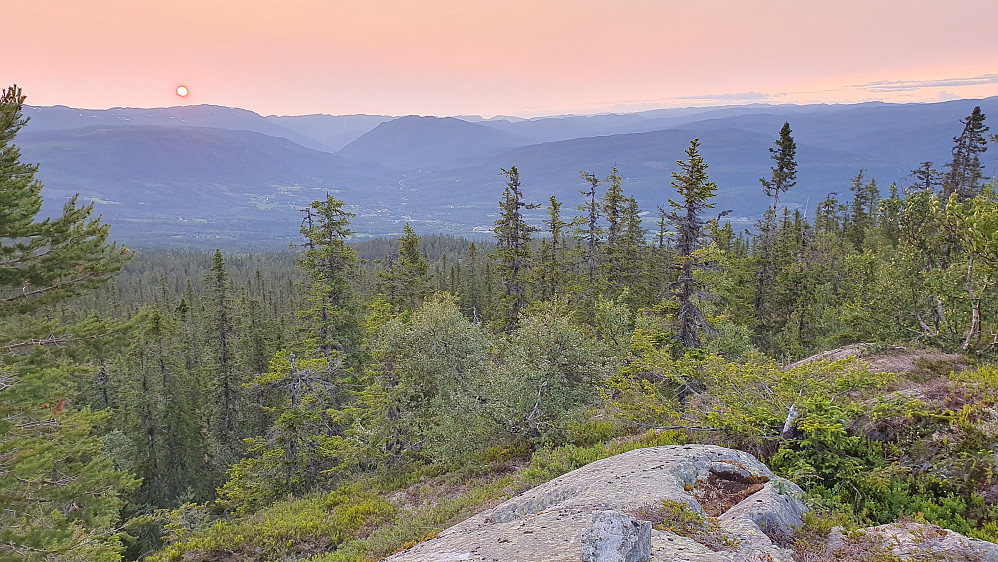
x: 615, y: 537
x: 549, y: 522
x: 909, y: 540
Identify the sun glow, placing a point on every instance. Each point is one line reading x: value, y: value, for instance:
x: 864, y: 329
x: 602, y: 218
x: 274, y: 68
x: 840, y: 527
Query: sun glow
x: 182, y: 91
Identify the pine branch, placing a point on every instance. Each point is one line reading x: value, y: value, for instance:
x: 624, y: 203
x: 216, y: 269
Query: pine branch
x: 49, y: 341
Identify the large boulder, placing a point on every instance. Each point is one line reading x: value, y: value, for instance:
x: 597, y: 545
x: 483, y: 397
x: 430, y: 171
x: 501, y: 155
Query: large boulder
x: 722, y: 504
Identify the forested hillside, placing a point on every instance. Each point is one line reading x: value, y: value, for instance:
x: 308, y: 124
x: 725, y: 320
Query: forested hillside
x: 345, y: 398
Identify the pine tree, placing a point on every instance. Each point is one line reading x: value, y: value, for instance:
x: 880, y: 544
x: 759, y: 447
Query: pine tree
x: 695, y: 192
x: 60, y: 494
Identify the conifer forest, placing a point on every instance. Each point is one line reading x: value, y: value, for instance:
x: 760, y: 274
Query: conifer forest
x: 173, y: 405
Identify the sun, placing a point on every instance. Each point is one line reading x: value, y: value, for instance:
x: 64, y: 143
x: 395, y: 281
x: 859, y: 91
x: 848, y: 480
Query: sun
x: 182, y: 91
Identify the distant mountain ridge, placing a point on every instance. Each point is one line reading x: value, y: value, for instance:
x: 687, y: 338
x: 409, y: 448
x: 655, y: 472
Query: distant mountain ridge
x: 210, y: 175
x: 415, y: 142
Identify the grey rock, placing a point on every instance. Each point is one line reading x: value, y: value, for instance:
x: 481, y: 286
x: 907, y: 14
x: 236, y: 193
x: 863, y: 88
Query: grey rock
x: 548, y: 522
x: 919, y: 541
x: 615, y: 537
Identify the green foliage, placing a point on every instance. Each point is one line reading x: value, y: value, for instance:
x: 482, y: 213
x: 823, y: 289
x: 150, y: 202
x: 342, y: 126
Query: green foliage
x: 540, y: 373
x: 60, y: 492
x: 678, y: 518
x: 422, y: 401
x: 303, y: 449
x: 405, y: 281
x: 329, y: 323
x: 830, y: 428
x: 286, y: 529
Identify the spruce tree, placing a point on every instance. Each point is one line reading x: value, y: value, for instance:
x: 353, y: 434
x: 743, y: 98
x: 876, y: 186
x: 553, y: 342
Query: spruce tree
x: 551, y: 263
x: 864, y: 208
x: 783, y: 177
x: 224, y: 382
x: 784, y: 170
x: 329, y: 322
x: 687, y: 218
x: 590, y: 233
x: 512, y: 253
x: 405, y: 283
x: 926, y: 177
x: 965, y: 170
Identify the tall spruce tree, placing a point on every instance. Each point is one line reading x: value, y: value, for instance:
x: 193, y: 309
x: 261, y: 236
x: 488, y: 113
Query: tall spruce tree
x: 551, y: 264
x: 965, y: 170
x: 687, y: 218
x: 512, y: 253
x: 590, y: 233
x: 330, y: 320
x: 784, y: 170
x: 782, y: 178
x: 223, y: 380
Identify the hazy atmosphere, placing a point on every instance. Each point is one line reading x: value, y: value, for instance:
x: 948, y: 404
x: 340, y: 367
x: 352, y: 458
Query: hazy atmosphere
x: 524, y: 58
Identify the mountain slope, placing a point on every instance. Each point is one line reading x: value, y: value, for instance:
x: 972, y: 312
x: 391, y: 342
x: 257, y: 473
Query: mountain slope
x: 168, y: 181
x: 415, y: 142
x: 333, y: 132
x: 215, y: 116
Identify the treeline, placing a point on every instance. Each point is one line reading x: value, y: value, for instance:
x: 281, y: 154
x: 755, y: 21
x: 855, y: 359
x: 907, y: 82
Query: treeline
x: 195, y: 386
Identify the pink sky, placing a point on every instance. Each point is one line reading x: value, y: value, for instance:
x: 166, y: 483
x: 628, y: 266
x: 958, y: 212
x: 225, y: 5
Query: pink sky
x: 453, y: 57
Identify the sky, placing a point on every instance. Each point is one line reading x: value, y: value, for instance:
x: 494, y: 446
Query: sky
x: 501, y: 57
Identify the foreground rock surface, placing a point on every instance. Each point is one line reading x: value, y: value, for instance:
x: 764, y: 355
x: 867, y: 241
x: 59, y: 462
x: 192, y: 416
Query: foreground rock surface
x: 615, y: 537
x: 548, y: 522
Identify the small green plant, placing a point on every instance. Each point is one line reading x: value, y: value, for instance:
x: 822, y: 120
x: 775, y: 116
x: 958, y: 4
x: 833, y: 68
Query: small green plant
x: 680, y: 519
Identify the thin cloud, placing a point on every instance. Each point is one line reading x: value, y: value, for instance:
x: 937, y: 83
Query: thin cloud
x: 910, y: 85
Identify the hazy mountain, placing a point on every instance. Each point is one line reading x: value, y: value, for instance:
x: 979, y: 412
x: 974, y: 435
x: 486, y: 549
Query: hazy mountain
x: 415, y: 142
x: 333, y: 132
x: 61, y: 117
x: 158, y: 182
x: 151, y: 182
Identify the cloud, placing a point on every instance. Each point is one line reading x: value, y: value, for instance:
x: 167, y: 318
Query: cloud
x: 909, y: 85
x: 946, y: 96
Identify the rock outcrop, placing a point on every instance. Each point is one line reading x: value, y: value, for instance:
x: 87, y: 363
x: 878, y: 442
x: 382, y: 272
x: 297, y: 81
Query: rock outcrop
x: 909, y: 540
x: 736, y: 508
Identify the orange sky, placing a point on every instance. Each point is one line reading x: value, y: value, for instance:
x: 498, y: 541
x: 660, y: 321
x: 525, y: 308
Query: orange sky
x: 518, y: 57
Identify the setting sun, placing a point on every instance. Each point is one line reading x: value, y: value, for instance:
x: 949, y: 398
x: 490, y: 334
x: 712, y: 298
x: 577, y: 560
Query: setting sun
x: 182, y: 91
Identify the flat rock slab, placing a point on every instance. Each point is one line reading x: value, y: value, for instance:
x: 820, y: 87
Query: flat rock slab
x: 548, y: 522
